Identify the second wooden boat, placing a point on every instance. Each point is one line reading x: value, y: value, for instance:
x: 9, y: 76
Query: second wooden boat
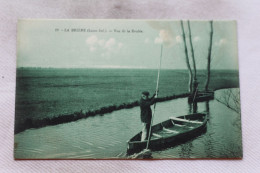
x: 201, y: 96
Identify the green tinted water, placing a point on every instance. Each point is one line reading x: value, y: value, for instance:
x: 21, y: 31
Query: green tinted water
x: 106, y: 136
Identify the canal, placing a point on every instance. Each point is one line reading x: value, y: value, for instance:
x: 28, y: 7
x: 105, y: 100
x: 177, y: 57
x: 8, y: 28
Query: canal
x: 105, y: 136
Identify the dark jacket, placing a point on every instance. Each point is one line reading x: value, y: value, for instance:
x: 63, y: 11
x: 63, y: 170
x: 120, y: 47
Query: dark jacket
x: 146, y: 112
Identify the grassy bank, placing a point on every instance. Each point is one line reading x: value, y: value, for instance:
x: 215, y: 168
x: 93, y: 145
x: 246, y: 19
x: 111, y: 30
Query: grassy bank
x: 38, y: 123
x: 57, y: 97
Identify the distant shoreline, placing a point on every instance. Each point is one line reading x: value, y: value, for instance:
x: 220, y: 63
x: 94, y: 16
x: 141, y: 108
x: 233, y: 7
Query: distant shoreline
x: 112, y: 68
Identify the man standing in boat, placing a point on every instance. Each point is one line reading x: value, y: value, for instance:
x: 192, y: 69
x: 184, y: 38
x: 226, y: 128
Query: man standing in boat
x: 146, y: 113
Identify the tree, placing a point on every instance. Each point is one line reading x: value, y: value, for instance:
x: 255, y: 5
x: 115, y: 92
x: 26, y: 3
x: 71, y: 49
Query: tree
x: 192, y: 54
x: 209, y: 55
x: 195, y: 83
x: 230, y: 98
x: 187, y: 58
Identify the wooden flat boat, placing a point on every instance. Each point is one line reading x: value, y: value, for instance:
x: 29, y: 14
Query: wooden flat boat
x: 201, y: 96
x: 171, y: 132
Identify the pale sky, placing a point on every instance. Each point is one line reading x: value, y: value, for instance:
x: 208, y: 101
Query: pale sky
x: 39, y: 45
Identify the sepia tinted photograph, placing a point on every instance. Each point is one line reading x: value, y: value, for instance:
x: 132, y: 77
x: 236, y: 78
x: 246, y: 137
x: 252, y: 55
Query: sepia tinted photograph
x: 127, y: 89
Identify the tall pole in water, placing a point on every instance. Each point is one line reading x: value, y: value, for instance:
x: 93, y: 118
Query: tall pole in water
x: 156, y: 93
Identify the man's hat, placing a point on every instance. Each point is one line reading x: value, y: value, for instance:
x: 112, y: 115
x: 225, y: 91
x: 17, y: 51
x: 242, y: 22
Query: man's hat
x: 145, y: 93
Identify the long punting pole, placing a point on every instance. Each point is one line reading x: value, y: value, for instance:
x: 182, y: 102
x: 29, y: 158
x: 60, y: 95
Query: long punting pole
x: 156, y: 93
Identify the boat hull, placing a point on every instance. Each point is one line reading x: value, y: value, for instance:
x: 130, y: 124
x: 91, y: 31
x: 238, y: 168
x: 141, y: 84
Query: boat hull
x: 170, y: 139
x: 202, y: 96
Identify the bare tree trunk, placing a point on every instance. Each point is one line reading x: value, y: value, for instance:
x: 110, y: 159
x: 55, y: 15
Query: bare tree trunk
x: 187, y: 58
x: 192, y: 54
x: 209, y: 55
x: 195, y: 83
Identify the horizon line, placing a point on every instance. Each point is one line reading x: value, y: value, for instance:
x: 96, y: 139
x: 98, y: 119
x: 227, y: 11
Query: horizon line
x: 136, y: 68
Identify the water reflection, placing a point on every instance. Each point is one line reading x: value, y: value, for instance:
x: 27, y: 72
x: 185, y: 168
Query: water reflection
x: 207, y: 106
x: 186, y: 150
x: 193, y: 107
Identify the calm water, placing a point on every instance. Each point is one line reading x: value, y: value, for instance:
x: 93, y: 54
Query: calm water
x: 106, y: 136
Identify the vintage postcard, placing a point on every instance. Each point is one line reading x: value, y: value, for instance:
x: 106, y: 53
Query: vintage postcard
x: 127, y: 89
